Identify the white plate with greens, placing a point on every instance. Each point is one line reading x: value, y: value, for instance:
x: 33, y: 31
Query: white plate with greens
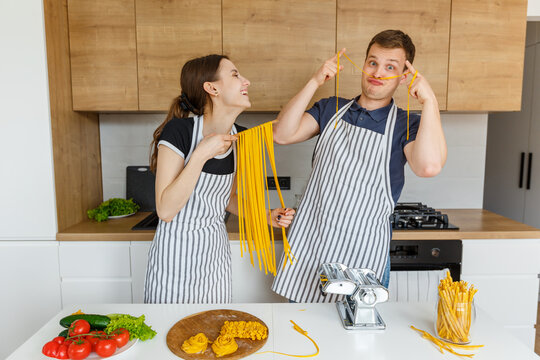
x: 121, y: 216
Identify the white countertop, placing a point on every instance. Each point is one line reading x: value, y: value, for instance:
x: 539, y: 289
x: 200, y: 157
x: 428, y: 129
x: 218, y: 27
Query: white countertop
x: 319, y: 320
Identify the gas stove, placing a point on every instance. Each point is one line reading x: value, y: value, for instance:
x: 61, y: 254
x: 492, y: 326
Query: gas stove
x: 417, y: 216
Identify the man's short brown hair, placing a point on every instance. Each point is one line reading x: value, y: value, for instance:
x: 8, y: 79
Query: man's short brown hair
x: 392, y: 39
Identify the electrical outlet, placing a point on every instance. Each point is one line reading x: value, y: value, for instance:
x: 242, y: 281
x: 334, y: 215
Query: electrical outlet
x: 284, y: 183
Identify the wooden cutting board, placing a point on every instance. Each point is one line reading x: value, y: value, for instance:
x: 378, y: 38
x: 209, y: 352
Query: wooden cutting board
x: 210, y: 323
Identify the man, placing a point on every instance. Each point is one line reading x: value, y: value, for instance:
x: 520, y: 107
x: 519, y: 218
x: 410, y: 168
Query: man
x: 358, y: 165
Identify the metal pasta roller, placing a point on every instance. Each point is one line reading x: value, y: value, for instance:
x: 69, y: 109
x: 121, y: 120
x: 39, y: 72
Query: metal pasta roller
x: 362, y: 292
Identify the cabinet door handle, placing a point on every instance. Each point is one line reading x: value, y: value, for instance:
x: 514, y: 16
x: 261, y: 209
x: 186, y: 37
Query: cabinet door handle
x: 521, y: 166
x: 529, y: 172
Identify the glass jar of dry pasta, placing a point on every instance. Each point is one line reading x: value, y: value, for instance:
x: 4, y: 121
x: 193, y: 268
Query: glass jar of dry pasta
x: 455, y: 316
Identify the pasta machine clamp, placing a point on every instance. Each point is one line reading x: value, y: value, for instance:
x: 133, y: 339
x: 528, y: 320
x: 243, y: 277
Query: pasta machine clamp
x: 362, y: 292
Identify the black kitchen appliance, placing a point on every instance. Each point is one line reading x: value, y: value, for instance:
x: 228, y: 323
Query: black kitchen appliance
x: 421, y: 255
x: 417, y: 216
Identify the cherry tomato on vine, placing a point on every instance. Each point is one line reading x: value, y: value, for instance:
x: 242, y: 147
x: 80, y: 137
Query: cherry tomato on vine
x: 105, y: 347
x: 79, y: 327
x: 50, y: 349
x: 121, y: 336
x: 95, y: 336
x: 79, y: 349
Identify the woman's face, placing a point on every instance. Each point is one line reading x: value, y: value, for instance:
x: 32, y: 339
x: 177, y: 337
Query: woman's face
x: 231, y: 88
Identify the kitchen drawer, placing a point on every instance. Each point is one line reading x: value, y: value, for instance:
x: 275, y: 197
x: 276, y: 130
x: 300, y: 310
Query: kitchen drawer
x: 95, y: 259
x: 139, y: 259
x: 513, y: 256
x: 77, y: 291
x: 510, y: 300
x: 525, y: 334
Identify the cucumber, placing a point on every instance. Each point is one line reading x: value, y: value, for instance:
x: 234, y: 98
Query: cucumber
x: 98, y: 322
x: 64, y: 333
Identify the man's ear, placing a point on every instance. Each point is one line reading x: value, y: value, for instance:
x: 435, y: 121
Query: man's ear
x: 403, y: 78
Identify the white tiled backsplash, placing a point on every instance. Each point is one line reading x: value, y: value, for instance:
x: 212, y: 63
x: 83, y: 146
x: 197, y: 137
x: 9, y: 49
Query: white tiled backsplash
x: 125, y: 140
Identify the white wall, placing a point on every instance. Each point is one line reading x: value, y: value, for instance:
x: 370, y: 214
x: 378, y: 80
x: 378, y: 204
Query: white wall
x: 125, y: 140
x: 26, y: 182
x: 29, y: 274
x: 533, y: 10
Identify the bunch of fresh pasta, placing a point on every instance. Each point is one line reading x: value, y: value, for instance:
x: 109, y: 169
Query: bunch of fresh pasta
x: 253, y: 198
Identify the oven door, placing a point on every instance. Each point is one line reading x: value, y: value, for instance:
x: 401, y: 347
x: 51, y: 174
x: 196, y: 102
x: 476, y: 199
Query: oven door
x: 417, y: 266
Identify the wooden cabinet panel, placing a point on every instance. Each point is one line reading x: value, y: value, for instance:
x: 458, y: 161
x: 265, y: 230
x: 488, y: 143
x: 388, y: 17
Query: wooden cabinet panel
x: 168, y: 34
x: 486, y: 55
x: 278, y: 45
x: 103, y: 54
x: 427, y: 22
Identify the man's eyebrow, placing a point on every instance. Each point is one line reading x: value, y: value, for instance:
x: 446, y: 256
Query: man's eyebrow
x: 234, y: 70
x: 392, y: 60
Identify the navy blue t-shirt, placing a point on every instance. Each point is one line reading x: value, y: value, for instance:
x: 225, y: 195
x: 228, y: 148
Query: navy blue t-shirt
x: 374, y: 120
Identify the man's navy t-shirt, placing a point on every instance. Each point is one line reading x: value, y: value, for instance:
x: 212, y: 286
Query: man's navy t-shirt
x: 374, y: 120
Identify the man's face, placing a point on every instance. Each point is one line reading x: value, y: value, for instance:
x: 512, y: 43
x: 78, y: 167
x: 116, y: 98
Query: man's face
x: 380, y: 63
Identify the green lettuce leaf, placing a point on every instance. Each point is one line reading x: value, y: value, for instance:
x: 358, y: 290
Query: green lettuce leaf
x: 136, y: 326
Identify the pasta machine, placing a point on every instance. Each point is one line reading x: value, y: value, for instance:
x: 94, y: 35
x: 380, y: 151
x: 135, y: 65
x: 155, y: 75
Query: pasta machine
x: 362, y: 292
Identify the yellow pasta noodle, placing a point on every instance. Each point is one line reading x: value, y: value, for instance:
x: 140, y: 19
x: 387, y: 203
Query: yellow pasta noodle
x: 224, y: 345
x: 447, y: 346
x: 253, y: 330
x: 303, y: 332
x: 195, y: 344
x: 253, y: 197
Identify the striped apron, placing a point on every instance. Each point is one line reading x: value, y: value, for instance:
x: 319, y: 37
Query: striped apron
x: 190, y: 257
x: 344, y: 213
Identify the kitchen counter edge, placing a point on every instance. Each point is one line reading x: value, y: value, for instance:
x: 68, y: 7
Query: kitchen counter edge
x: 473, y: 224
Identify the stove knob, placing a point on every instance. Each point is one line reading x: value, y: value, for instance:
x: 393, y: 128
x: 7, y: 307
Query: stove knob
x: 435, y: 252
x: 368, y: 297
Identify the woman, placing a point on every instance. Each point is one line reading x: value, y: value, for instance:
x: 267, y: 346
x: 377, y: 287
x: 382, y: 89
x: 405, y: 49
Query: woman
x: 194, y: 161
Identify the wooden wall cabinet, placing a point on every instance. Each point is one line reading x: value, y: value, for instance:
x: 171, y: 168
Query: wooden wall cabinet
x: 487, y: 46
x: 169, y: 33
x: 278, y: 45
x: 427, y: 22
x: 127, y: 54
x: 103, y: 55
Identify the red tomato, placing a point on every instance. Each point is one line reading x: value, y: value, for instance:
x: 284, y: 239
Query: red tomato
x: 95, y: 337
x: 59, y: 339
x: 62, y: 352
x: 79, y: 327
x: 67, y: 342
x: 121, y: 336
x: 79, y: 349
x: 106, y: 347
x: 50, y: 349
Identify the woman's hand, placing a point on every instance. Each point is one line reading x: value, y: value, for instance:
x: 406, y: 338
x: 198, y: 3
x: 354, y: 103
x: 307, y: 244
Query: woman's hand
x: 328, y: 70
x: 213, y: 145
x: 281, y: 217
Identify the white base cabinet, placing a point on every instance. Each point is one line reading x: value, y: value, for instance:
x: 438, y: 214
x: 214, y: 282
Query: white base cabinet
x: 94, y: 272
x: 506, y: 274
x: 30, y: 293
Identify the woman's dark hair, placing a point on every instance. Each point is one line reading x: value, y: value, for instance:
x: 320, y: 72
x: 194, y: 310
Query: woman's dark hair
x: 193, y: 97
x: 392, y: 39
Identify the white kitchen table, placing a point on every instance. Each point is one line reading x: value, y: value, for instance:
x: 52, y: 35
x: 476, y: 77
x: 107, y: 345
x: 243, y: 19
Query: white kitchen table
x: 319, y: 320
